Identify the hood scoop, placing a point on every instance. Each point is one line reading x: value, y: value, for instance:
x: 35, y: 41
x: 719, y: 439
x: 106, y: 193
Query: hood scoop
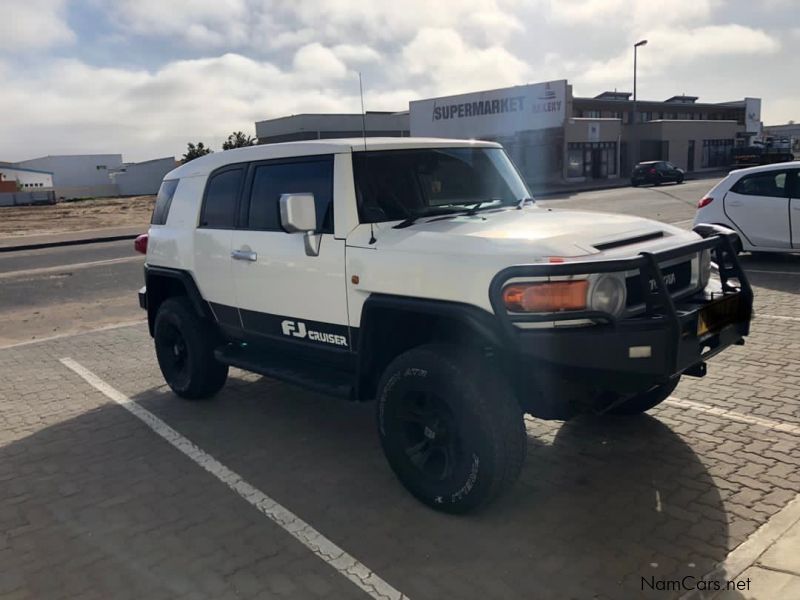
x: 629, y: 241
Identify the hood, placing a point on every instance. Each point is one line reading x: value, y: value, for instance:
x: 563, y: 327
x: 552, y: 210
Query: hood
x: 532, y: 231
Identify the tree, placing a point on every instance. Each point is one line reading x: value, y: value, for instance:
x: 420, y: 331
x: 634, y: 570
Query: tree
x: 197, y: 151
x: 238, y: 140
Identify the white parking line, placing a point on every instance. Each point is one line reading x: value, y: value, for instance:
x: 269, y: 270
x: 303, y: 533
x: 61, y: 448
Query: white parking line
x: 75, y: 333
x: 778, y: 317
x: 734, y: 415
x: 767, y: 271
x: 312, y: 539
x: 71, y: 267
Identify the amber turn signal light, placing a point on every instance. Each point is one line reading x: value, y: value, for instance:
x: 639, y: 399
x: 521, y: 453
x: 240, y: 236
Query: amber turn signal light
x: 546, y: 296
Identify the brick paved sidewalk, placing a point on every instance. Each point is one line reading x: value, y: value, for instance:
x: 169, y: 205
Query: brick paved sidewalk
x: 93, y: 504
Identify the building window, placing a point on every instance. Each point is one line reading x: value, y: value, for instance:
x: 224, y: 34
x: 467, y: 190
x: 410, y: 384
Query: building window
x: 574, y: 161
x: 593, y: 160
x: 717, y: 153
x: 591, y: 114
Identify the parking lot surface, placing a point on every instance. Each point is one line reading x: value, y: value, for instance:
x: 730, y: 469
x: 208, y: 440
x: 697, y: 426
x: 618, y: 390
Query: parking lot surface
x: 94, y: 504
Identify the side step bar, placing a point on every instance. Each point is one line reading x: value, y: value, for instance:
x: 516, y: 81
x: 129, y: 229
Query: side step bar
x: 317, y: 378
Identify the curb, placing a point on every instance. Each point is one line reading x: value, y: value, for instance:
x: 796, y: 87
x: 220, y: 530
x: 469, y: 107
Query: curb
x: 748, y: 552
x: 39, y: 246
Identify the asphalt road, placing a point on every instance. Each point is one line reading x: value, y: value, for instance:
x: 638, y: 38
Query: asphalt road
x: 667, y: 203
x: 60, y: 290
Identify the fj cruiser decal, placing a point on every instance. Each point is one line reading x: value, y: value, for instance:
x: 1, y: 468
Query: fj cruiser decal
x: 298, y: 329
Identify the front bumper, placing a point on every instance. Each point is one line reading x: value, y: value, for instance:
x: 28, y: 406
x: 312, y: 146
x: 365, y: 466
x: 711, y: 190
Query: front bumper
x: 632, y: 354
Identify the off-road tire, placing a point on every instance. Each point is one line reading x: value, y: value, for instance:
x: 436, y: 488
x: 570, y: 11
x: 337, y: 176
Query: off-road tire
x: 185, y: 345
x: 644, y: 401
x: 479, y: 431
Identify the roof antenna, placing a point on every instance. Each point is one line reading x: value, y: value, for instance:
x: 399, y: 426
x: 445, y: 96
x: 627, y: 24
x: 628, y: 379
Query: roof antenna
x: 363, y: 113
x: 372, y: 239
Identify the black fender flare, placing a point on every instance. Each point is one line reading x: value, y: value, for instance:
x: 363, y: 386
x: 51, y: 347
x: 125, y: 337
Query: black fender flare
x: 379, y: 307
x: 154, y: 276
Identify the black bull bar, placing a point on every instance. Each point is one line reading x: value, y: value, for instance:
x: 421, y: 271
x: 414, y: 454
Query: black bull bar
x: 660, y: 308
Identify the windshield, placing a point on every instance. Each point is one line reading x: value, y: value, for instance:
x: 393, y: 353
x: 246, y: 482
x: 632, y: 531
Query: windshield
x: 402, y: 184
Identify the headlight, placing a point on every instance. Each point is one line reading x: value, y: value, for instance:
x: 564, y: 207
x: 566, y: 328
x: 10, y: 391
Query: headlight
x: 705, y: 268
x: 608, y: 295
x: 546, y: 296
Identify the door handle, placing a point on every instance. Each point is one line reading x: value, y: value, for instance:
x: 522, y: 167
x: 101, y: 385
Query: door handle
x: 735, y: 203
x: 244, y: 255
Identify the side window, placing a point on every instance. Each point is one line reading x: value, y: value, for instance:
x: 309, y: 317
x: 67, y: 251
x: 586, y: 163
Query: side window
x: 270, y: 181
x: 771, y: 183
x: 219, y: 206
x: 163, y: 201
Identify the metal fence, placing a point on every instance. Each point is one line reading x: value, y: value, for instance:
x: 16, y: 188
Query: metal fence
x: 27, y: 198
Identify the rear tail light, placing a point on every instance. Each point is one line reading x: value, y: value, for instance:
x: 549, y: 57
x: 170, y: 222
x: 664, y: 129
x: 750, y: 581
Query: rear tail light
x: 140, y: 243
x: 705, y: 202
x: 652, y: 171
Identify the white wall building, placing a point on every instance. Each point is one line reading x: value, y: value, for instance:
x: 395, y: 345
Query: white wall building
x: 28, y: 180
x: 311, y: 126
x: 79, y: 176
x: 143, y: 178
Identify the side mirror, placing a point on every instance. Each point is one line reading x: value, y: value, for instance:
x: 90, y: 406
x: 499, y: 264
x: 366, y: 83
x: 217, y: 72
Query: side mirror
x: 299, y: 215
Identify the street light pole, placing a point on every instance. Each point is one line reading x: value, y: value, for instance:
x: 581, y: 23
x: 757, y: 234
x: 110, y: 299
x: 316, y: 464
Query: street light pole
x: 634, y: 154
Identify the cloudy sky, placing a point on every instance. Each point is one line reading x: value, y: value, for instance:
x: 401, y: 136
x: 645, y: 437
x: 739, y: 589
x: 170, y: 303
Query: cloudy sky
x: 143, y: 77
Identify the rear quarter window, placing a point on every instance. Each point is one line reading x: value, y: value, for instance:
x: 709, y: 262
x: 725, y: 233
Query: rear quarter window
x: 770, y: 184
x: 164, y: 201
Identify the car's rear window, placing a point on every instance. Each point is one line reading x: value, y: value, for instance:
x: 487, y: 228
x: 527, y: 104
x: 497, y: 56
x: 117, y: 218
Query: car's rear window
x: 164, y: 201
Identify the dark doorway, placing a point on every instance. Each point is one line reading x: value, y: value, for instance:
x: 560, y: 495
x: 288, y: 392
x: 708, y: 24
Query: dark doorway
x: 597, y: 163
x: 690, y: 157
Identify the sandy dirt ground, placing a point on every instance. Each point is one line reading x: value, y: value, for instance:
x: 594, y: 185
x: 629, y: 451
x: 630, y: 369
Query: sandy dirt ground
x: 68, y: 318
x: 76, y: 216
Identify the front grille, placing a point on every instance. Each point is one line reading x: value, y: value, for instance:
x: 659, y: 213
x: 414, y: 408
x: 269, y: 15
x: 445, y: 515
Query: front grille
x: 678, y: 277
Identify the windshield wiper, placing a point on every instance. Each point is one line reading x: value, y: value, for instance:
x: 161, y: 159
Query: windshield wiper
x: 524, y: 201
x: 473, y: 209
x: 467, y: 211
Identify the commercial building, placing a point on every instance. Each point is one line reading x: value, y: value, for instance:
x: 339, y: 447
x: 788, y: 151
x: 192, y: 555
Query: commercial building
x: 91, y: 175
x: 555, y: 137
x: 789, y: 131
x: 143, y: 178
x: 24, y: 180
x: 328, y: 126
x: 79, y: 176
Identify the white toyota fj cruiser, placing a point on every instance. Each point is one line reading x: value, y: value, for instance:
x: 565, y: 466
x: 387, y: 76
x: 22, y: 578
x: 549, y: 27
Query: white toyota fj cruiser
x: 418, y: 272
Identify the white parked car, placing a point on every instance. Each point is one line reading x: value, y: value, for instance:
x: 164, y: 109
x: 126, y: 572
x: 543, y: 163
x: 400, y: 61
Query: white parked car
x: 762, y: 204
x: 418, y: 273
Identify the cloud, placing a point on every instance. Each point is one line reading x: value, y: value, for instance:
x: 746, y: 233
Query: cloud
x: 669, y: 49
x: 33, y: 25
x: 362, y: 53
x: 445, y: 63
x: 638, y: 14
x: 71, y: 106
x: 208, y: 67
x: 199, y: 22
x: 315, y: 61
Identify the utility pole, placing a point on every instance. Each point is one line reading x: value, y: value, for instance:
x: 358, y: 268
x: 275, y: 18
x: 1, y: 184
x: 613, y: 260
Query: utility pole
x: 634, y: 153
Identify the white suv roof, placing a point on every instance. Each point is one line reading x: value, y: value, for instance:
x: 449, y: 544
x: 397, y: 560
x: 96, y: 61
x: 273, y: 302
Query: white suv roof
x: 205, y: 164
